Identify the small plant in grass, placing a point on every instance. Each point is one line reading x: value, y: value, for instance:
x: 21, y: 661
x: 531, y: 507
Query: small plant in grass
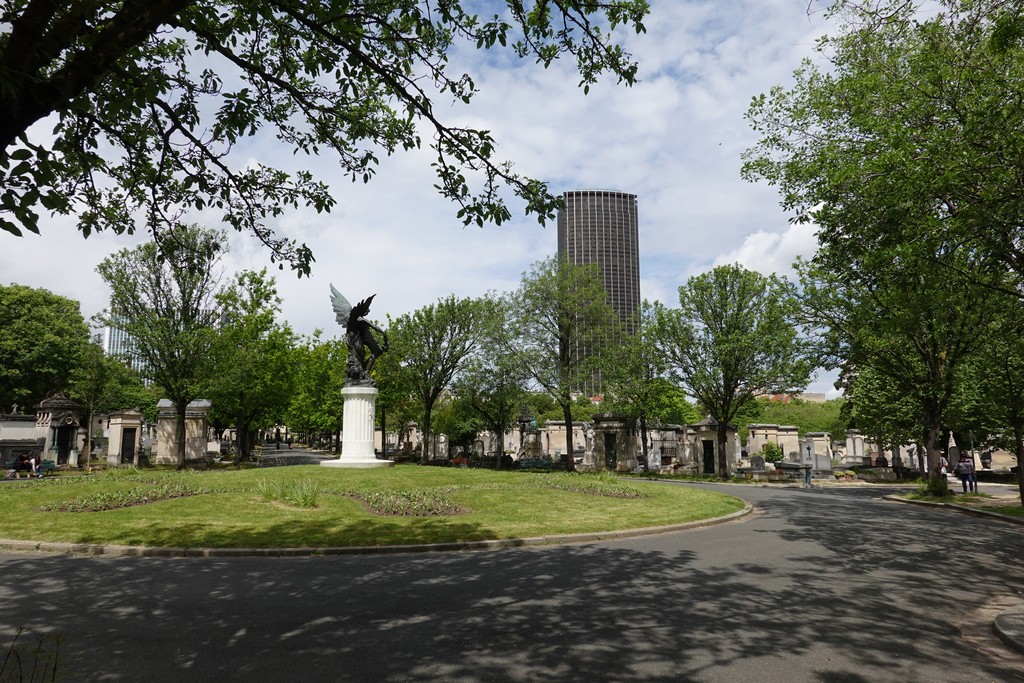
x: 416, y: 503
x: 120, y: 473
x: 303, y: 494
x: 139, y: 495
x: 37, y: 664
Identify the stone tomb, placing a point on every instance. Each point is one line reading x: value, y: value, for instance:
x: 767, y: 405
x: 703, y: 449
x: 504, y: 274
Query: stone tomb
x: 615, y: 444
x: 125, y: 444
x: 196, y: 427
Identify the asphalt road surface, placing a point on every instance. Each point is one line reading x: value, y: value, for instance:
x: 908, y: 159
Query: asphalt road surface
x: 817, y: 585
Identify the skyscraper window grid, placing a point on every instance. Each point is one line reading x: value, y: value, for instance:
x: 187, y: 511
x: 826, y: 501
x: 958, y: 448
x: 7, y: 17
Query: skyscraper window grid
x: 602, y: 227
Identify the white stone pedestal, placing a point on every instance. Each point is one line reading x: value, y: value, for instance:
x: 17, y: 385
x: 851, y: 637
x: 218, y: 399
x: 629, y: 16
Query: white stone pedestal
x: 357, y: 437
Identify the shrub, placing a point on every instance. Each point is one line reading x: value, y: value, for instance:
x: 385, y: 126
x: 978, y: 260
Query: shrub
x: 937, y: 487
x: 772, y: 452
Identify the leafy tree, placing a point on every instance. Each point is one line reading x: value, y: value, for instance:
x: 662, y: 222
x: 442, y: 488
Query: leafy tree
x: 635, y: 379
x: 103, y: 384
x: 254, y: 372
x: 316, y: 403
x: 732, y: 339
x: 163, y: 297
x: 455, y: 416
x: 433, y: 343
x: 881, y: 410
x: 676, y: 409
x: 904, y: 151
x: 154, y: 100
x: 395, y: 399
x: 912, y: 323
x: 493, y: 383
x: 1000, y: 375
x: 42, y: 346
x: 562, y: 320
x: 909, y: 129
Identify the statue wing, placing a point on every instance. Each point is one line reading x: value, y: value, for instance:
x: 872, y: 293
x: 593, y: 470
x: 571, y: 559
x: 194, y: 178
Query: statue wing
x: 342, y: 308
x: 362, y: 308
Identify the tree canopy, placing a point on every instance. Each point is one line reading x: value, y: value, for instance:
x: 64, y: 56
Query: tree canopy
x: 433, y: 343
x: 912, y: 127
x: 732, y: 339
x: 562, y: 321
x: 149, y: 103
x: 253, y: 373
x: 163, y: 297
x: 42, y: 345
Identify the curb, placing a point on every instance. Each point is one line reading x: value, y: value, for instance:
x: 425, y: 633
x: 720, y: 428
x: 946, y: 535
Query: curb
x: 149, y: 551
x: 1009, y: 626
x: 975, y: 512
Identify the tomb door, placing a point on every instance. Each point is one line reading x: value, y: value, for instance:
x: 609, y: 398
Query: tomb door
x: 709, y: 456
x: 128, y: 445
x: 610, y: 460
x: 64, y: 441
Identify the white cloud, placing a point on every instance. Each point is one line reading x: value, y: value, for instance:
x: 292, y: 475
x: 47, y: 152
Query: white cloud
x: 773, y: 252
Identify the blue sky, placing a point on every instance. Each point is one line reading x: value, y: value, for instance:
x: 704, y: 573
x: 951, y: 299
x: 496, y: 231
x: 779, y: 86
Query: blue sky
x: 674, y: 140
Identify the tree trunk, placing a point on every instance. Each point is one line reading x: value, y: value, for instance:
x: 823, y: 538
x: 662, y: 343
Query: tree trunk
x: 88, y: 446
x: 933, y: 432
x: 241, y: 447
x: 723, y: 461
x: 643, y: 437
x: 180, y: 437
x: 1018, y: 436
x: 427, y: 449
x: 570, y: 463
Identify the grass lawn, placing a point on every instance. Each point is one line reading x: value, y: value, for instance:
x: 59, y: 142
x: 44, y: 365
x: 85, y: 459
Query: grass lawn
x: 313, y: 506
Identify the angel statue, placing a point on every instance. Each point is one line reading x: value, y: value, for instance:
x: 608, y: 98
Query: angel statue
x: 358, y: 332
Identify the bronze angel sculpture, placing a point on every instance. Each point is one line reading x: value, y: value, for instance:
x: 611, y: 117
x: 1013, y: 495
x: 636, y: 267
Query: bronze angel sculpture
x: 360, y: 338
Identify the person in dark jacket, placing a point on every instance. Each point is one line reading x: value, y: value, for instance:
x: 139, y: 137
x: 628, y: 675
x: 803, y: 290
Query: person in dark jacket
x: 965, y: 470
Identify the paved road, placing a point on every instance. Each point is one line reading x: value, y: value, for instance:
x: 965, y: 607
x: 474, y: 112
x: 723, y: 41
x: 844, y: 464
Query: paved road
x: 819, y: 585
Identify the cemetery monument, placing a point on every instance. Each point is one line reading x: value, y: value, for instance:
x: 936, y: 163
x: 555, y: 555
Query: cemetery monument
x: 360, y: 391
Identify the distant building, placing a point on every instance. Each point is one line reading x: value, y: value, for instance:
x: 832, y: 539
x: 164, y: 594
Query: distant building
x: 120, y: 344
x: 601, y: 227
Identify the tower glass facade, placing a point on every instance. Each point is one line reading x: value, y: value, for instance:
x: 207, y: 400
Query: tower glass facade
x: 601, y: 227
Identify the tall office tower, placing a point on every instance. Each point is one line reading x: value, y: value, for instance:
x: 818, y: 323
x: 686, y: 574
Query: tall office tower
x: 601, y: 226
x: 117, y: 342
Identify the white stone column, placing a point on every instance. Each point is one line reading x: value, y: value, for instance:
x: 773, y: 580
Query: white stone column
x: 358, y: 431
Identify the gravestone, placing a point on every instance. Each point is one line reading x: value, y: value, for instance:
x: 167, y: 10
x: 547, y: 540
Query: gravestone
x: 757, y: 463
